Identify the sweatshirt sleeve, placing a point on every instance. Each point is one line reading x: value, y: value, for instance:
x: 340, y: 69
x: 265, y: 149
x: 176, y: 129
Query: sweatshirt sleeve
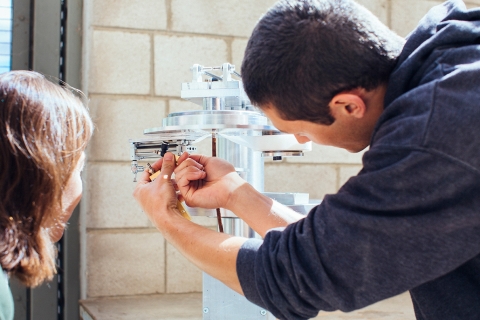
x: 409, y: 217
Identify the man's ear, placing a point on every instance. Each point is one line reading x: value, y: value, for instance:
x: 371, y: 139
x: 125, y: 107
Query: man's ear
x: 348, y: 104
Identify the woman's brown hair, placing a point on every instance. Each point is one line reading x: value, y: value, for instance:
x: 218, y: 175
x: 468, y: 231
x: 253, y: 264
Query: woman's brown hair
x: 44, y: 128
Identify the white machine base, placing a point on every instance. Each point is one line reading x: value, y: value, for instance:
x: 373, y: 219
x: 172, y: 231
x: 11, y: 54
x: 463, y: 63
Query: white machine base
x: 222, y: 303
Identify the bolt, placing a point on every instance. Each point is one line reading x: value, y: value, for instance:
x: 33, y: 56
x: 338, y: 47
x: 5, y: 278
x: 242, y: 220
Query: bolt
x: 205, y: 310
x: 263, y: 312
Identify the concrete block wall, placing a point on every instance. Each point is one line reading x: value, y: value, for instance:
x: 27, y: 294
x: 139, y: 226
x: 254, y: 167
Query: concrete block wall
x: 136, y: 55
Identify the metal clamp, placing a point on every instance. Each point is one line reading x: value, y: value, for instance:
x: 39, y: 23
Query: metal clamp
x: 136, y: 169
x: 227, y: 70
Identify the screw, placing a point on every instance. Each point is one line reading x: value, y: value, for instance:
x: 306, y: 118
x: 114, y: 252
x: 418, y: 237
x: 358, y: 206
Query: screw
x: 263, y: 312
x: 205, y: 310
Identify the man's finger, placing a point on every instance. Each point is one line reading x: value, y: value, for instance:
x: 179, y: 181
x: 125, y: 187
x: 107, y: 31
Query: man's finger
x: 168, y: 165
x: 200, y: 158
x: 182, y: 158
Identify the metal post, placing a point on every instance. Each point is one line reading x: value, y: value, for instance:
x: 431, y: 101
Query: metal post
x: 47, y: 40
x: 219, y: 301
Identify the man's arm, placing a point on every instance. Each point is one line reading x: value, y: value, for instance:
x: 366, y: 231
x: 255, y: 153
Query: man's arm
x: 260, y: 212
x: 386, y: 231
x: 213, y: 252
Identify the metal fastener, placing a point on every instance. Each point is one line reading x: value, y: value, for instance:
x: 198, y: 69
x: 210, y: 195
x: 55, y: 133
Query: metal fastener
x: 205, y: 310
x: 263, y: 312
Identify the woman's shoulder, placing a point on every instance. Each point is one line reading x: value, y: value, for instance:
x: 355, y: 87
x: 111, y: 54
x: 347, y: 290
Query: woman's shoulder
x: 6, y: 299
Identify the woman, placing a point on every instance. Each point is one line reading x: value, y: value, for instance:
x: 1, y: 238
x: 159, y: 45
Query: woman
x: 44, y: 129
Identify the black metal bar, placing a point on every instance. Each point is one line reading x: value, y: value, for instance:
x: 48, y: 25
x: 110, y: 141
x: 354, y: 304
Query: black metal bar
x: 62, y: 243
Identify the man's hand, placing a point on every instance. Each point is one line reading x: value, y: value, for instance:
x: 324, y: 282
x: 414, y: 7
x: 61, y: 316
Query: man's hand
x: 211, y: 183
x: 158, y: 199
x: 206, y: 182
x: 213, y: 252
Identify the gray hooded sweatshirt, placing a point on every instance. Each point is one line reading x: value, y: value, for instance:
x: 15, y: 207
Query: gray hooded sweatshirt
x: 410, y: 220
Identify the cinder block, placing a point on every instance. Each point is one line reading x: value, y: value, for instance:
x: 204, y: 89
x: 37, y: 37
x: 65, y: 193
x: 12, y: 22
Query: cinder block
x: 110, y: 203
x: 378, y: 7
x: 120, y: 63
x: 328, y: 155
x: 406, y: 14
x: 234, y: 18
x: 125, y: 263
x: 138, y: 14
x: 182, y: 275
x: 317, y: 180
x: 174, y: 55
x: 346, y: 172
x: 238, y: 51
x: 119, y: 119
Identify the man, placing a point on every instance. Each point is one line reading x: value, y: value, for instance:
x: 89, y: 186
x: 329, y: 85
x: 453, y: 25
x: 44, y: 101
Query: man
x: 330, y: 72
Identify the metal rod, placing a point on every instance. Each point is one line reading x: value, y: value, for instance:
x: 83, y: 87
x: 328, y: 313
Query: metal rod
x: 214, y: 154
x: 213, y: 76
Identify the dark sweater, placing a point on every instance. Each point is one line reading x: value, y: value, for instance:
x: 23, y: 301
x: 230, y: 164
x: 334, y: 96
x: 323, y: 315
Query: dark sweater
x: 410, y: 220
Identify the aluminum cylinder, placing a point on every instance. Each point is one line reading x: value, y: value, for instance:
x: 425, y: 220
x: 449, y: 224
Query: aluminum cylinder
x: 250, y: 166
x: 248, y: 163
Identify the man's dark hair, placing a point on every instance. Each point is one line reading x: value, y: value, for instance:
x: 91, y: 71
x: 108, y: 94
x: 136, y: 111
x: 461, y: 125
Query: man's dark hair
x: 304, y: 52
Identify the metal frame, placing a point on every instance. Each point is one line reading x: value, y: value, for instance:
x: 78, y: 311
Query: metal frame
x: 47, y: 38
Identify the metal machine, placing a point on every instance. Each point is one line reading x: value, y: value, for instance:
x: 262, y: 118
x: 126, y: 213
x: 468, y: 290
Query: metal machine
x: 241, y: 135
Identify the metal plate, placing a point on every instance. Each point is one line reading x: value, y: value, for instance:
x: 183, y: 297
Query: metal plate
x: 221, y: 302
x: 211, y: 128
x: 211, y: 121
x: 212, y: 117
x: 158, y: 134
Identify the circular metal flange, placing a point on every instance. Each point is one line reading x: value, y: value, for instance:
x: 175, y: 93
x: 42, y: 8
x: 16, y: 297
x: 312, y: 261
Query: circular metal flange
x: 282, y: 154
x: 213, y: 128
x: 212, y: 121
x: 206, y: 117
x: 176, y: 133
